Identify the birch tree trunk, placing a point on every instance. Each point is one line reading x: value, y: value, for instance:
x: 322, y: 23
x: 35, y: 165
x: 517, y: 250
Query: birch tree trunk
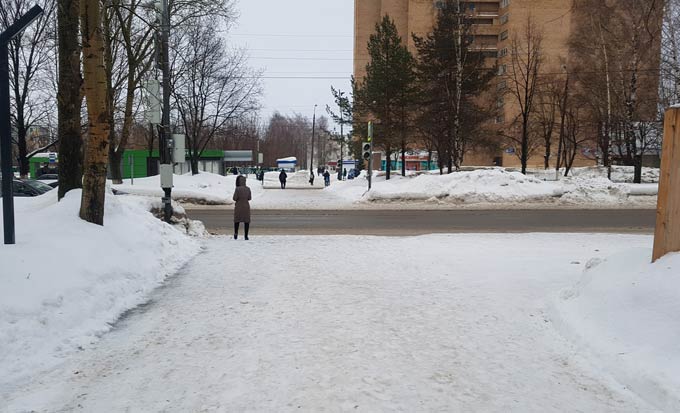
x: 97, y: 144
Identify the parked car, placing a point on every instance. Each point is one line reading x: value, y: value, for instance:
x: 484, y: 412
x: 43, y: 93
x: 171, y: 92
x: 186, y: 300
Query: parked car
x: 28, y: 187
x: 50, y: 179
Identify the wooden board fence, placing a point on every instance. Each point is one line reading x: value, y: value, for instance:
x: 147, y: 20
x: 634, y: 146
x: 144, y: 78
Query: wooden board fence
x: 667, y: 234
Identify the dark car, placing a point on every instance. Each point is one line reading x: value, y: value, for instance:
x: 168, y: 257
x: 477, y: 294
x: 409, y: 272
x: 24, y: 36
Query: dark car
x: 29, y: 187
x: 50, y: 179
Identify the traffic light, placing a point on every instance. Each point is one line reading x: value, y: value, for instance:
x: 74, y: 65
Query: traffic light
x: 366, y: 150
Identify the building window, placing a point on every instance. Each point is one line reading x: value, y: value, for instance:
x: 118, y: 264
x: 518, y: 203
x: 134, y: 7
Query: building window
x: 505, y: 3
x: 502, y: 85
x: 500, y: 119
x: 504, y: 35
x: 472, y: 6
x: 502, y: 69
x: 500, y: 102
x: 503, y: 52
x: 504, y: 18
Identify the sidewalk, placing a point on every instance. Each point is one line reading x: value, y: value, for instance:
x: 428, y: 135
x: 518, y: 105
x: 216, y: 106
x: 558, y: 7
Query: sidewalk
x: 461, y: 326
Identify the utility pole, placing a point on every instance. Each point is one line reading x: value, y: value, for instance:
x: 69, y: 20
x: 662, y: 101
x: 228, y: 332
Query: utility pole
x: 311, y: 160
x: 165, y: 140
x: 370, y: 159
x: 342, y: 143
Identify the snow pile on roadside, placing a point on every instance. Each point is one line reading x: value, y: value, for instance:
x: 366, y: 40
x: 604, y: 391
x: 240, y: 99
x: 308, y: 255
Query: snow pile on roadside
x: 482, y: 186
x: 66, y: 281
x: 593, y: 190
x: 492, y: 186
x: 620, y: 174
x: 204, y: 188
x: 625, y: 310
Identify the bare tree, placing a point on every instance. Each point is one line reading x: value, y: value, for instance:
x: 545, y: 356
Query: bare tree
x: 286, y: 136
x: 30, y: 56
x: 129, y: 41
x: 522, y: 79
x: 69, y: 98
x: 616, y: 50
x: 211, y: 87
x: 670, y: 55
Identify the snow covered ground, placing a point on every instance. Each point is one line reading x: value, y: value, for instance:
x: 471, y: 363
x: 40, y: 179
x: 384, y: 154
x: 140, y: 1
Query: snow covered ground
x: 66, y: 281
x: 460, y: 322
x: 624, y: 312
x: 487, y: 188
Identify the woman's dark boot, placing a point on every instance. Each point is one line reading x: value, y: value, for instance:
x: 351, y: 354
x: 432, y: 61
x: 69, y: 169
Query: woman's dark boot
x: 247, y: 224
x: 235, y: 230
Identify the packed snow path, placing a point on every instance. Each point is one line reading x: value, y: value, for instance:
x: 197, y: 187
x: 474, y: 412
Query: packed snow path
x: 433, y: 323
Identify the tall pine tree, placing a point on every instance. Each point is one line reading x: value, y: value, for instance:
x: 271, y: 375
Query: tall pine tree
x: 452, y: 75
x: 387, y: 94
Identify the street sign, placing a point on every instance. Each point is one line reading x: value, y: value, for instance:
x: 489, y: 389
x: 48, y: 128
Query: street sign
x: 153, y: 102
x: 178, y: 149
x: 238, y: 156
x: 53, y: 157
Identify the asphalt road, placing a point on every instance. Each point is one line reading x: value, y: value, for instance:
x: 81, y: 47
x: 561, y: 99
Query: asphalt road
x: 413, y: 222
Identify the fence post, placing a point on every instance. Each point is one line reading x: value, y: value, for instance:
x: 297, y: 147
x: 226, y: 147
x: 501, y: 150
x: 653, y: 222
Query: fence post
x: 667, y: 234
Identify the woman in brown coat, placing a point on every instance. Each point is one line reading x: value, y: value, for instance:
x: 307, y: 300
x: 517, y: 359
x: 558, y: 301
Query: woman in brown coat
x: 242, y: 209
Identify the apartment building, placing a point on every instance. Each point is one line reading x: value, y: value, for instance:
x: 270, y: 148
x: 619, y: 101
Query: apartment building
x: 496, y: 22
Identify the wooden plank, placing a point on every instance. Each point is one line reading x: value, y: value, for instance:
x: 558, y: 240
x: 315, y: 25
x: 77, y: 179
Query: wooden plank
x: 667, y: 234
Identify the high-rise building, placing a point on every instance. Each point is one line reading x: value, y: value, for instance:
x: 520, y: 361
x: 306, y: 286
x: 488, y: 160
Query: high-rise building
x: 495, y: 24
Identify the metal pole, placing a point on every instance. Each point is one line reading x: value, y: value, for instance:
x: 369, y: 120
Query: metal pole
x: 311, y: 160
x: 5, y: 124
x: 342, y: 142
x: 6, y: 148
x: 165, y: 139
x: 370, y: 158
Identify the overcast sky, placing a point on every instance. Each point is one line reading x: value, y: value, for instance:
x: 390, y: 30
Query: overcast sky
x: 303, y: 39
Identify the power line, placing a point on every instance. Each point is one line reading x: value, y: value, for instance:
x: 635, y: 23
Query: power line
x: 291, y: 35
x: 302, y: 58
x: 307, y: 77
x: 302, y: 50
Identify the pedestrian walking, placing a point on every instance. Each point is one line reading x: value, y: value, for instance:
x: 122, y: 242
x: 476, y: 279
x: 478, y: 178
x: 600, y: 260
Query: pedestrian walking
x: 344, y: 173
x: 311, y: 178
x: 282, y: 178
x: 326, y: 178
x: 242, y: 197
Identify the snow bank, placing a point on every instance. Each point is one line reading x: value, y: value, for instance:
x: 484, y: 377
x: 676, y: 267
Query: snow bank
x: 66, y: 281
x: 485, y: 187
x: 464, y: 187
x: 625, y: 311
x: 620, y: 174
x: 204, y: 188
x: 493, y: 186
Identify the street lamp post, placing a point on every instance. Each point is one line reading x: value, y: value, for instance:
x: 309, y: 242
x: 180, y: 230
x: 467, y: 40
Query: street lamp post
x: 5, y: 123
x: 165, y: 139
x: 311, y: 160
